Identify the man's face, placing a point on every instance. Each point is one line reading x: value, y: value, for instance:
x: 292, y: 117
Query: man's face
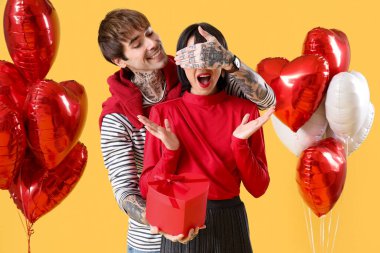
x: 144, y: 52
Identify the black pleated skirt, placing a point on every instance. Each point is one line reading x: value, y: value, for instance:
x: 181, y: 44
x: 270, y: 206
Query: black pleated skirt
x: 226, y: 231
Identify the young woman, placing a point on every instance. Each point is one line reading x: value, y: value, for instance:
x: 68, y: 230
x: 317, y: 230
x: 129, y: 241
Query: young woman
x: 214, y: 135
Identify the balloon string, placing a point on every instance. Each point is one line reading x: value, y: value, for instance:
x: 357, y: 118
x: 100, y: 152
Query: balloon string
x: 336, y: 229
x: 30, y: 233
x: 311, y: 231
x: 329, y: 230
x: 22, y: 223
x: 307, y: 224
x: 322, y: 232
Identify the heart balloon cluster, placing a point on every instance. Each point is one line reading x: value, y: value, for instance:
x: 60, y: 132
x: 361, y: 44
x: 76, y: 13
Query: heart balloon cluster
x: 41, y: 158
x: 317, y: 97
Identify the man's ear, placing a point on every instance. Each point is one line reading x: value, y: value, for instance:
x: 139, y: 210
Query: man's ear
x: 120, y: 62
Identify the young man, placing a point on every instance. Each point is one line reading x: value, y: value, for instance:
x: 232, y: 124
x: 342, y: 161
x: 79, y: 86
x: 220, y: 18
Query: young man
x: 147, y: 77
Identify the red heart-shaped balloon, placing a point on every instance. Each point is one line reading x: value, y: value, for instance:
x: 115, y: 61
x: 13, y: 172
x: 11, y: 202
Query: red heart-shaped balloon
x: 31, y: 31
x: 270, y: 68
x: 13, y: 83
x: 12, y: 142
x: 331, y: 44
x: 36, y: 191
x: 55, y: 115
x: 299, y: 86
x: 321, y: 173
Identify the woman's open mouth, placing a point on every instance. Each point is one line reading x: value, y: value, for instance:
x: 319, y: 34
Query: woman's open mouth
x: 204, y: 80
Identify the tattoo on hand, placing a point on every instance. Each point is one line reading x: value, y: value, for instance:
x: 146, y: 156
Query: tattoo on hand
x: 135, y: 207
x: 214, y: 56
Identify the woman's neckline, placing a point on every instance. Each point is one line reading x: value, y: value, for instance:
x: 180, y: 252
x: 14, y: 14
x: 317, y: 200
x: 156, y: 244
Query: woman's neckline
x: 204, y: 99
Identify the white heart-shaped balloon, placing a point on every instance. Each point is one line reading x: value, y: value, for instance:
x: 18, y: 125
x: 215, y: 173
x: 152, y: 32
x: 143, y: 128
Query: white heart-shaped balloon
x: 311, y: 132
x: 355, y: 141
x: 347, y: 103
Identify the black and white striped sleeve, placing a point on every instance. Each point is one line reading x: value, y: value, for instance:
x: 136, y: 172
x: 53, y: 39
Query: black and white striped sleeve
x: 119, y: 157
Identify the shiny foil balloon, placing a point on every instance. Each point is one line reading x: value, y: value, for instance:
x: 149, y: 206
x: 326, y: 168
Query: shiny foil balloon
x: 321, y: 173
x: 353, y: 143
x: 12, y: 142
x: 12, y: 82
x: 299, y: 87
x: 306, y: 136
x: 270, y: 68
x: 55, y: 115
x: 347, y: 103
x: 31, y: 31
x: 36, y: 191
x: 331, y: 44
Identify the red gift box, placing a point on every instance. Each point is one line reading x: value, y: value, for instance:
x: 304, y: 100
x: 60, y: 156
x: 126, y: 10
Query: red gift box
x: 177, y: 203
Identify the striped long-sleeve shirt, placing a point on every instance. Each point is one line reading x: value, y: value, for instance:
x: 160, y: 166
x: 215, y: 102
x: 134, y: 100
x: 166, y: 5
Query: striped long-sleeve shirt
x: 123, y: 151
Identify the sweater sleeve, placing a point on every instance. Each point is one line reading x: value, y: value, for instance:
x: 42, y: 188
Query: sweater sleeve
x: 251, y: 162
x: 158, y: 160
x: 119, y: 156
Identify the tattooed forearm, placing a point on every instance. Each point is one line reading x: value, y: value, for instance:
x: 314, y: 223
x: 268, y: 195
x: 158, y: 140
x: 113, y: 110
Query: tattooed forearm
x: 248, y: 82
x: 135, y: 207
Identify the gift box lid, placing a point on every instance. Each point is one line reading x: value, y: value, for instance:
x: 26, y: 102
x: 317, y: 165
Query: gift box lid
x: 185, y: 186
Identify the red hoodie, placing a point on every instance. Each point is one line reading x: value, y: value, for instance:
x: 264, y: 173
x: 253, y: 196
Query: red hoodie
x: 126, y: 98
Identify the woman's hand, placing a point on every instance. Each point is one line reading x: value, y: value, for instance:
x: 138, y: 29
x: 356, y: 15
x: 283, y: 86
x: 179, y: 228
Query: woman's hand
x: 246, y: 129
x: 168, y: 138
x: 178, y: 238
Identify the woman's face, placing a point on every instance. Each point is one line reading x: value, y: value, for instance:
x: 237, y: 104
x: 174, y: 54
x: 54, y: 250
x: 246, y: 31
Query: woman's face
x: 203, y: 81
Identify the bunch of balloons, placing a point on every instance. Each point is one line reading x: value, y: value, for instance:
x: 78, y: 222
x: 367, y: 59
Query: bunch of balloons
x: 323, y: 113
x: 41, y: 159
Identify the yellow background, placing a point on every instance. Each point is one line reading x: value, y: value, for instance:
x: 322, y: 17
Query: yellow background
x: 89, y: 220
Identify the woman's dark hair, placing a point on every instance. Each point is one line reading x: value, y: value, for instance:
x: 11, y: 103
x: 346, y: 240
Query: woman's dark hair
x: 190, y: 31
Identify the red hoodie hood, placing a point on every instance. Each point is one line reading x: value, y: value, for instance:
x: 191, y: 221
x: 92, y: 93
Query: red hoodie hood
x: 127, y: 99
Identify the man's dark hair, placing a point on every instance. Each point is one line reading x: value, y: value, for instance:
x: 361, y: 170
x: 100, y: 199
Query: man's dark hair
x: 118, y: 26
